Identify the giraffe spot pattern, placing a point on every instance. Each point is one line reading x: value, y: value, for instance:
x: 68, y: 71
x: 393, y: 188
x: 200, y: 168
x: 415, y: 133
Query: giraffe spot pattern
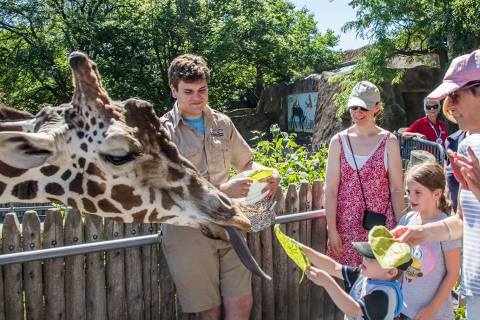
x: 49, y: 170
x: 106, y: 206
x: 174, y: 174
x: 76, y: 184
x: 3, y: 186
x: 167, y: 200
x: 94, y: 188
x: 26, y: 190
x: 93, y: 121
x: 55, y: 189
x: 80, y: 134
x: 139, y: 217
x: 123, y: 194
x: 195, y: 188
x: 178, y: 191
x: 81, y: 162
x: 155, y: 219
x: 95, y: 171
x: 152, y: 195
x: 89, y: 205
x: 10, y: 172
x: 66, y: 175
x: 84, y: 147
x: 72, y: 203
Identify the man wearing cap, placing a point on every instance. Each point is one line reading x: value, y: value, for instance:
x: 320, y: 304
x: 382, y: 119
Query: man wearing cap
x: 373, y: 288
x: 461, y: 85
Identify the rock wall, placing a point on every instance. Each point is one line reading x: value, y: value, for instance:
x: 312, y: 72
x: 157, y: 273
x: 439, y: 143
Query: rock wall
x: 402, y: 104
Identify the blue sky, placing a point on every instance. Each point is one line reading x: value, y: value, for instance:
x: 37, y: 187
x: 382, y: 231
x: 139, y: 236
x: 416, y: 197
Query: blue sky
x: 332, y: 15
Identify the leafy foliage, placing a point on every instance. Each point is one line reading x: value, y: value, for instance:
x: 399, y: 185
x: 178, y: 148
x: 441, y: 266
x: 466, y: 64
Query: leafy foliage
x: 410, y: 29
x: 248, y: 45
x: 294, y: 162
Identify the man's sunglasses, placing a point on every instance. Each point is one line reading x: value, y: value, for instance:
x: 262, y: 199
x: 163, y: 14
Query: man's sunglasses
x: 354, y: 108
x: 434, y: 107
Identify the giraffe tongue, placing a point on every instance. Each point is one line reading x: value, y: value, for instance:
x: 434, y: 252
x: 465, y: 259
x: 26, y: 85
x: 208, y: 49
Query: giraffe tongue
x: 243, y: 252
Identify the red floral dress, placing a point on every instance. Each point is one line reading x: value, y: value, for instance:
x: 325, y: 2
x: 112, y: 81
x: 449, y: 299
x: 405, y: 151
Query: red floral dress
x: 350, y: 203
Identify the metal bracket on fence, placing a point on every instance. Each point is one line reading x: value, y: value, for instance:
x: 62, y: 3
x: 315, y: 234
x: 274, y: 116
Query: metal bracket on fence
x: 85, y: 248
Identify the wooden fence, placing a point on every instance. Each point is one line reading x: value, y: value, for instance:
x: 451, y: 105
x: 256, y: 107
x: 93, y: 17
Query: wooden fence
x: 134, y: 283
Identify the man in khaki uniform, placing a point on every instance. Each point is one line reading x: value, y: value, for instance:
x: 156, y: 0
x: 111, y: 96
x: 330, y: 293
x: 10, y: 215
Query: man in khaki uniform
x: 207, y: 272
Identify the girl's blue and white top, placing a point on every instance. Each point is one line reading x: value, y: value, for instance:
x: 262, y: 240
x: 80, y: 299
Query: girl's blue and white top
x: 471, y: 228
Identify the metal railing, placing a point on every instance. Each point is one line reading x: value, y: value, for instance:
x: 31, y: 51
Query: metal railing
x: 21, y: 257
x: 407, y: 145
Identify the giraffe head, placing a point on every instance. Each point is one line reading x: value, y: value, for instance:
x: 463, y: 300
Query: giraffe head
x: 107, y: 158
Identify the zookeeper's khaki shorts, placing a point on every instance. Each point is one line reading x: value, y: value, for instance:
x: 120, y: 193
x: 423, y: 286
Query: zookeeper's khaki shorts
x: 203, y: 269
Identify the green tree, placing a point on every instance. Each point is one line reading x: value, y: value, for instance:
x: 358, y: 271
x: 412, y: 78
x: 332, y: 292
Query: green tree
x: 414, y: 28
x: 248, y: 44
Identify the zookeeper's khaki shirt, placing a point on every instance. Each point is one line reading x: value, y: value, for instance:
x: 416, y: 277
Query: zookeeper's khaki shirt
x: 222, y: 147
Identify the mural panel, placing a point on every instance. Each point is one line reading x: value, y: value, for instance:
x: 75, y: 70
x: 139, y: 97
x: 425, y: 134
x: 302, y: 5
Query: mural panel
x: 301, y: 111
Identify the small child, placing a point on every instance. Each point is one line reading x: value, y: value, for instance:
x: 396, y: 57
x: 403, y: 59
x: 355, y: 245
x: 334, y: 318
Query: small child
x: 435, y: 269
x: 372, y: 289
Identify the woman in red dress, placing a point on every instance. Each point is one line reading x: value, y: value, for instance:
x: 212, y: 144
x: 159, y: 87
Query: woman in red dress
x: 376, y: 185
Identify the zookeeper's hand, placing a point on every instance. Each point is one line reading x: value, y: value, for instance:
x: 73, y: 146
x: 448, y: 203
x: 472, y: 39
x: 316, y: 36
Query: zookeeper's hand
x: 272, y: 184
x: 335, y: 242
x: 236, y: 188
x: 426, y: 313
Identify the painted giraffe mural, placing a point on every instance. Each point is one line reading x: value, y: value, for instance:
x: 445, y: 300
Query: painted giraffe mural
x: 112, y: 159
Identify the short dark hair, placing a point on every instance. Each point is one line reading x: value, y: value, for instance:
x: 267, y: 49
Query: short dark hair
x: 188, y: 68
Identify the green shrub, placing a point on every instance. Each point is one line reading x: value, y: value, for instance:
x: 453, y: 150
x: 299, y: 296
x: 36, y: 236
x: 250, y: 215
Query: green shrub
x: 294, y: 162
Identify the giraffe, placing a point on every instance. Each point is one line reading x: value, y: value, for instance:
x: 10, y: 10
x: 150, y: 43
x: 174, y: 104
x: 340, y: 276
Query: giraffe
x: 110, y: 158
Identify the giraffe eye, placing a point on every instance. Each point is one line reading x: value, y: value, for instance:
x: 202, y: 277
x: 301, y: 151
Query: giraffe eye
x: 118, y: 160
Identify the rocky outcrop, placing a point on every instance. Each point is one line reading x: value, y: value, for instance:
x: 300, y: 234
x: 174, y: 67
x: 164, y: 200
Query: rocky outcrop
x: 403, y: 102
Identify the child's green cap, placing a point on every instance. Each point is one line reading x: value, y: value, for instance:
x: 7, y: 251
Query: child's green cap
x: 383, y: 247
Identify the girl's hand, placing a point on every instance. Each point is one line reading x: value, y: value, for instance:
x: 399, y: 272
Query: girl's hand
x: 426, y: 313
x: 317, y: 276
x: 335, y: 242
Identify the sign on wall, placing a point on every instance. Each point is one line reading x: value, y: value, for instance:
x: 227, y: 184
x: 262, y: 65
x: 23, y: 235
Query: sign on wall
x: 301, y: 111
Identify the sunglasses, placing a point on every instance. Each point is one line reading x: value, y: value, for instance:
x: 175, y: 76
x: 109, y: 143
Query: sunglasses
x: 434, y: 107
x: 354, y: 108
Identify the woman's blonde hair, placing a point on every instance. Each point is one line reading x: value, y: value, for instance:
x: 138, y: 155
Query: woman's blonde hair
x: 432, y: 176
x: 447, y: 103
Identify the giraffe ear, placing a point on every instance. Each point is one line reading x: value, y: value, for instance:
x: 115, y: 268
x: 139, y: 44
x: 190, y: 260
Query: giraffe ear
x: 25, y: 150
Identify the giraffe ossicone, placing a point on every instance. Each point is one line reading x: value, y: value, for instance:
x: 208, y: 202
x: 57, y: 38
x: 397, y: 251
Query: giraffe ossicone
x: 106, y: 157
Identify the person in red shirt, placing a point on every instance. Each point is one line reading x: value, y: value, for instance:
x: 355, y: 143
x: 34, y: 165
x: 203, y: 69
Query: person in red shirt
x: 431, y: 127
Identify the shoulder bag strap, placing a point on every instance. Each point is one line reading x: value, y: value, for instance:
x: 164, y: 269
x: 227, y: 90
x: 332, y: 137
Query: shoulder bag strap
x: 356, y: 167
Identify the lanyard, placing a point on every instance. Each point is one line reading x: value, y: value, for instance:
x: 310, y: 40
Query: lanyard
x: 438, y: 136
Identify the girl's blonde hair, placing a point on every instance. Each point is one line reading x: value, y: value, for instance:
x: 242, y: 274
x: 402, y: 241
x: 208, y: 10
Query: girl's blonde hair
x: 432, y: 176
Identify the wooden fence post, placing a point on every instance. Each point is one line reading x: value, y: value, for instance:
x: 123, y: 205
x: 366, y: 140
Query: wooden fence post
x: 74, y: 268
x: 305, y: 236
x: 293, y: 273
x: 150, y: 274
x: 96, y: 299
x: 32, y: 271
x: 280, y: 281
x: 13, y: 273
x: 133, y: 272
x: 319, y: 243
x: 53, y: 271
x: 115, y: 268
x: 256, y: 250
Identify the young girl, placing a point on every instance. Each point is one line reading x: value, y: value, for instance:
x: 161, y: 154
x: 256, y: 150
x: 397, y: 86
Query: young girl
x: 435, y: 269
